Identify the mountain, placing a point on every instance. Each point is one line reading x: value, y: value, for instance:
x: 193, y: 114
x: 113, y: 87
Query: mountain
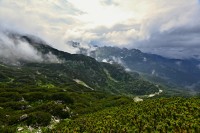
x: 71, y: 68
x: 45, y: 85
x: 47, y: 90
x: 183, y: 73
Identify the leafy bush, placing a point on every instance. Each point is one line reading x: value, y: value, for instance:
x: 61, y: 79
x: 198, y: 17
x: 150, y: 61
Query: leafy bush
x: 14, y: 105
x: 62, y: 97
x: 3, y: 78
x: 58, y: 110
x: 8, y: 129
x: 155, y: 115
x: 3, y: 99
x: 35, y: 96
x: 15, y: 96
x: 38, y: 118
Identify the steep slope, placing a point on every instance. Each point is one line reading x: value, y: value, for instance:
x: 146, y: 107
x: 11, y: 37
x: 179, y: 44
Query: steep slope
x: 38, y: 92
x: 61, y: 88
x: 69, y: 67
x: 174, y: 72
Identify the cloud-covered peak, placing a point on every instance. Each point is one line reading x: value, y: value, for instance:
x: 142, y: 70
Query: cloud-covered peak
x: 16, y: 48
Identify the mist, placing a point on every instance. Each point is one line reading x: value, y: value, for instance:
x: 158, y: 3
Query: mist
x: 14, y: 50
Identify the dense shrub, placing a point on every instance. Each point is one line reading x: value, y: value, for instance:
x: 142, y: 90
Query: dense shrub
x: 156, y: 115
x: 58, y: 110
x: 15, y: 96
x: 35, y: 96
x: 14, y: 105
x: 8, y: 129
x: 38, y: 119
x: 3, y: 78
x: 3, y: 99
x: 62, y: 97
x: 13, y: 119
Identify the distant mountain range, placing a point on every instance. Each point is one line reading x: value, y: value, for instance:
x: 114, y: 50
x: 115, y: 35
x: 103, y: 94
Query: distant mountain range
x: 182, y: 73
x: 68, y: 68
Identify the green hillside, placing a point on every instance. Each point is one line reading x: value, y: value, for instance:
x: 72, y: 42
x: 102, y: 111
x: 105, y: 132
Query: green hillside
x: 80, y: 94
x: 156, y: 115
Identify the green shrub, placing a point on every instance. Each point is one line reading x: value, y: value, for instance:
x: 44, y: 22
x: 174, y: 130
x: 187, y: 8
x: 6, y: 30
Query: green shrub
x: 35, y: 96
x: 3, y: 100
x: 58, y: 110
x: 3, y: 78
x: 38, y: 118
x: 14, y: 105
x: 13, y: 119
x: 62, y: 97
x: 8, y: 129
x: 15, y: 96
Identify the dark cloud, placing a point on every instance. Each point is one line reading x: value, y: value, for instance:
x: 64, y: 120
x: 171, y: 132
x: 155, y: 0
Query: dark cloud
x: 181, y: 42
x: 158, y: 26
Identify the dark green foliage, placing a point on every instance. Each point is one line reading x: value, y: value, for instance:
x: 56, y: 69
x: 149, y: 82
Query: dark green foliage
x: 158, y: 115
x: 117, y: 72
x: 62, y: 97
x: 38, y: 119
x: 15, y: 96
x: 3, y: 78
x: 99, y: 76
x: 12, y: 119
x: 3, y: 99
x: 8, y: 129
x: 58, y: 110
x: 14, y: 105
x: 36, y: 96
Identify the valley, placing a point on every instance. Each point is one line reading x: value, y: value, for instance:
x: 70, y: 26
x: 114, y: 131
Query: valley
x: 99, y: 66
x: 76, y: 93
x: 180, y: 74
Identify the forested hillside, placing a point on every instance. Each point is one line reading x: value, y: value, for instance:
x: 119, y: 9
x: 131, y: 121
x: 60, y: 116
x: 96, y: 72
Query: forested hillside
x: 181, y: 73
x: 43, y: 92
x: 99, y: 66
x: 76, y: 93
x: 176, y: 115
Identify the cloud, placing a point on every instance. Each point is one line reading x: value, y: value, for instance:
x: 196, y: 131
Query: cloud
x: 168, y: 28
x: 13, y: 50
x: 109, y: 2
x: 48, y: 20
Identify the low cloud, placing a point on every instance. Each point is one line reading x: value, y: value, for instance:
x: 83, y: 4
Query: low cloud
x: 14, y: 50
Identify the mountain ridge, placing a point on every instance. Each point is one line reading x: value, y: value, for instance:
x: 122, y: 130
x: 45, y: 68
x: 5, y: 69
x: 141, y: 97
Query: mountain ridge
x: 45, y: 94
x: 75, y: 66
x: 179, y: 72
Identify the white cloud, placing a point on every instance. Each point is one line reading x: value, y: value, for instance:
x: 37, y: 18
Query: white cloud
x: 20, y: 50
x: 149, y: 25
x: 14, y: 50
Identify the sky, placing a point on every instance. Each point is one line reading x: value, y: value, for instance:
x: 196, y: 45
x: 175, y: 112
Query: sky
x: 168, y: 28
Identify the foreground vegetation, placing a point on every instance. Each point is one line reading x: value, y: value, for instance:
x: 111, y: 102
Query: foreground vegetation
x: 46, y: 97
x: 88, y: 111
x: 156, y: 115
